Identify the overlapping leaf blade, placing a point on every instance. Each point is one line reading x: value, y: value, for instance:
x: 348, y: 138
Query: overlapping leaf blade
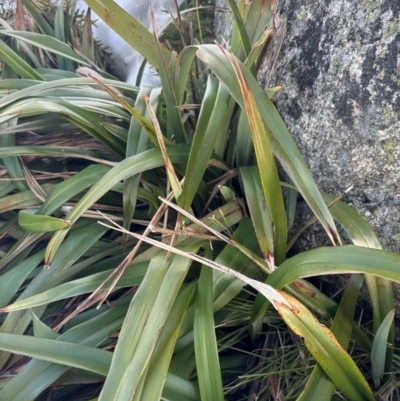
x: 282, y: 143
x: 82, y: 260
x: 336, y: 260
x: 127, y: 168
x: 319, y: 385
x: 379, y: 347
x: 320, y: 341
x: 142, y: 326
x: 205, y: 343
x: 214, y: 111
x: 17, y: 63
x: 259, y: 211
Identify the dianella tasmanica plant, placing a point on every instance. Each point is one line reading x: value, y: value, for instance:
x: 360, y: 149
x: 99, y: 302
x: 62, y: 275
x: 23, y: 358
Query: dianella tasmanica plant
x: 144, y: 231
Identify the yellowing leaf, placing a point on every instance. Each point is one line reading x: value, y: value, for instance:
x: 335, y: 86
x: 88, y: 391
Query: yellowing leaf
x: 325, y: 348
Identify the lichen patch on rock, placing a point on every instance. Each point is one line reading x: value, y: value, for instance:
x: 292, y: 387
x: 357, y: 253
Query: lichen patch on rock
x: 340, y: 63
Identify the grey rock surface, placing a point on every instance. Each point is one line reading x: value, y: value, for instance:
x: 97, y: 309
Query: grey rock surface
x: 340, y: 64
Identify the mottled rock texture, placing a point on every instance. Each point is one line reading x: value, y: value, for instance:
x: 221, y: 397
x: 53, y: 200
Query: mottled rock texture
x: 340, y: 64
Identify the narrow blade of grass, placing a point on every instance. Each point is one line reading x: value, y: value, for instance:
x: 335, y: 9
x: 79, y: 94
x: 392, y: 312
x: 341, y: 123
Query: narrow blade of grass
x: 213, y: 114
x: 146, y: 317
x: 205, y: 342
x: 47, y: 43
x: 169, y: 71
x: 320, y: 341
x: 344, y: 259
x: 12, y: 164
x: 244, y: 143
x: 137, y: 142
x: 379, y: 346
x: 64, y: 191
x: 84, y: 119
x: 17, y: 63
x: 70, y: 354
x: 380, y: 290
x: 37, y: 375
x: 73, y: 248
x: 319, y: 385
x: 281, y: 141
x: 39, y: 19
x: 268, y: 171
x: 158, y: 368
x: 329, y: 260
x: 259, y: 210
x: 244, y: 38
x: 59, y: 32
x: 131, y: 277
x: 13, y: 279
x: 129, y: 167
x: 322, y: 344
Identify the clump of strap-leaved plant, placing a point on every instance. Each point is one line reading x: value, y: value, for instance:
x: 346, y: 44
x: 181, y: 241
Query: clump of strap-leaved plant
x: 143, y: 231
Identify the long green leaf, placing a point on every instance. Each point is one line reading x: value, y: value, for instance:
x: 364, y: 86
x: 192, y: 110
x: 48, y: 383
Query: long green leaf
x: 70, y: 354
x: 320, y: 341
x: 69, y: 188
x: 379, y: 346
x: 206, y: 350
x: 137, y: 142
x: 260, y: 17
x: 244, y: 143
x: 259, y: 211
x: 84, y: 119
x: 185, y: 61
x: 147, y: 315
x: 59, y: 32
x: 12, y: 164
x: 132, y: 277
x: 129, y: 167
x: 74, y: 247
x: 18, y: 64
x: 169, y: 70
x: 12, y: 280
x: 244, y: 38
x: 282, y: 143
x: 214, y: 112
x: 154, y: 381
x: 331, y: 260
x: 268, y: 171
x: 30, y: 55
x: 48, y: 43
x: 337, y: 260
x: 31, y: 88
x: 37, y: 375
x: 319, y: 385
x: 39, y: 19
x: 83, y: 357
x: 88, y: 44
x: 49, y: 151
